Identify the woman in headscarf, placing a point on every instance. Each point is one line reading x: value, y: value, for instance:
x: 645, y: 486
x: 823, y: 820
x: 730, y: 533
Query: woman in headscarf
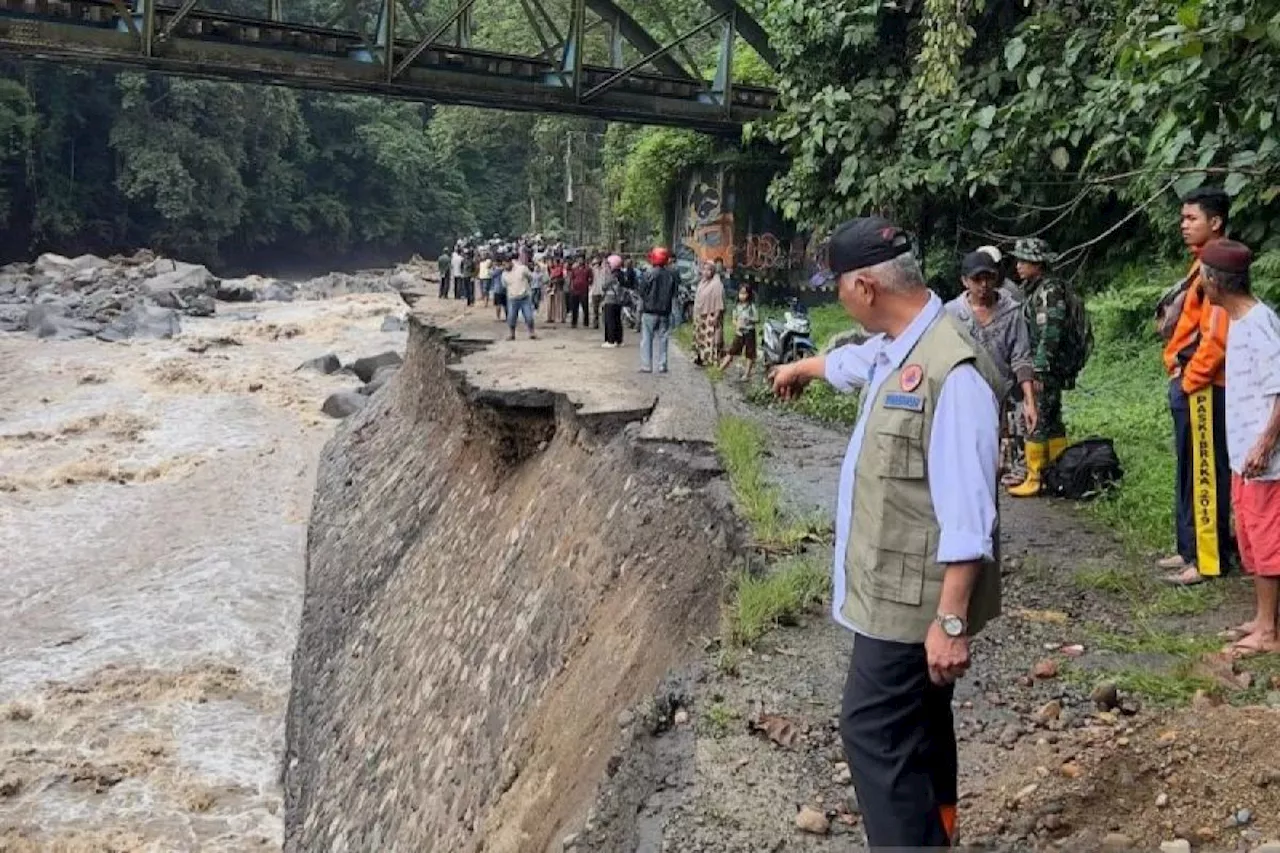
x: 708, y: 317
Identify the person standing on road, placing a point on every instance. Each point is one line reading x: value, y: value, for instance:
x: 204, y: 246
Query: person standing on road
x: 517, y: 281
x: 657, y: 292
x: 708, y: 318
x: 1046, y: 312
x: 916, y: 572
x: 600, y: 276
x: 579, y: 289
x: 455, y: 271
x: 1253, y: 433
x: 1195, y: 358
x: 745, y: 319
x: 612, y: 304
x: 556, y: 283
x: 445, y: 266
x: 995, y: 320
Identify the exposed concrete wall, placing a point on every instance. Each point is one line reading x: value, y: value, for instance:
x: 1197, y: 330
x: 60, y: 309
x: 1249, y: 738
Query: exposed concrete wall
x: 491, y: 579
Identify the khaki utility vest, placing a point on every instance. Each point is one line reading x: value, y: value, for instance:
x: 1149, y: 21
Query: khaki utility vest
x: 892, y: 576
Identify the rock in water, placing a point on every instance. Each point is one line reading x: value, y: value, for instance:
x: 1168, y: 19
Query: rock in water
x: 380, y: 378
x: 51, y: 321
x: 235, y: 290
x: 185, y: 287
x: 277, y: 291
x: 325, y: 364
x: 366, y: 367
x: 142, y: 321
x: 344, y: 403
x: 393, y: 324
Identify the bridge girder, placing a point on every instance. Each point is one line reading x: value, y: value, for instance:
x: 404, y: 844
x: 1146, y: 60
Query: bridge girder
x: 191, y: 40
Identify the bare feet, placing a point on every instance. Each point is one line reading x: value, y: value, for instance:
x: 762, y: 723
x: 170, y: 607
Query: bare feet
x: 1240, y: 631
x: 1256, y: 643
x: 1190, y: 576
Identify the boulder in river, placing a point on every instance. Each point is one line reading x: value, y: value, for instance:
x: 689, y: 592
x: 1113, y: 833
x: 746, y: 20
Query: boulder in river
x: 50, y: 320
x: 142, y: 321
x: 325, y: 364
x: 381, y: 377
x: 344, y: 403
x: 366, y: 367
x: 392, y: 323
x: 189, y: 288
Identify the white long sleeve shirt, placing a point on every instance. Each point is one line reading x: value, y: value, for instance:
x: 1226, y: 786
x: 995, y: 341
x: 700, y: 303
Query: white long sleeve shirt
x: 963, y: 455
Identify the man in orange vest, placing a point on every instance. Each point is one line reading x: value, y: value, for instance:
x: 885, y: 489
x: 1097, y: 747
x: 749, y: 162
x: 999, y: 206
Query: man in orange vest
x: 1195, y: 357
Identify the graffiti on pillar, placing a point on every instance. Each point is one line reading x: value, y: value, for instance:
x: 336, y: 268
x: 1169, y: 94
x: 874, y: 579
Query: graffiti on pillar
x: 708, y: 229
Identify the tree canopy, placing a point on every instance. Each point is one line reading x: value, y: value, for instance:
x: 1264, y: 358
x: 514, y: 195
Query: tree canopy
x: 1010, y: 117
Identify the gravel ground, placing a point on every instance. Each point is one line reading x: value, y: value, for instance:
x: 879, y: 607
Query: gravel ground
x: 1042, y: 766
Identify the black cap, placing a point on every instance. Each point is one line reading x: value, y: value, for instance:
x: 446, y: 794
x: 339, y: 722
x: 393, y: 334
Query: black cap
x: 977, y: 263
x: 865, y: 242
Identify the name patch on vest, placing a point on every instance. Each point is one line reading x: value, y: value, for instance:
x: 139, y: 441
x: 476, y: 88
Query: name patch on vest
x: 909, y: 402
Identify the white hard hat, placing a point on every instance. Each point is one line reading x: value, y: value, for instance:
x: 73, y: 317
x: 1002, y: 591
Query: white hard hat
x: 991, y: 251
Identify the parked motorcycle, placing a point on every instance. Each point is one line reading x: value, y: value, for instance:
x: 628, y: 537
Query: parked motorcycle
x: 790, y: 339
x: 632, y: 308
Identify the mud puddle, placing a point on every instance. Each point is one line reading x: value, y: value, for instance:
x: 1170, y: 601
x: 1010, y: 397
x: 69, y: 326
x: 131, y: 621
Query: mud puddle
x: 153, y: 502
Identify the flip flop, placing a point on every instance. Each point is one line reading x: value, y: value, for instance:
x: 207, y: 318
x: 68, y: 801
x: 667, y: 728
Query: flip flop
x: 1179, y: 580
x: 1239, y: 652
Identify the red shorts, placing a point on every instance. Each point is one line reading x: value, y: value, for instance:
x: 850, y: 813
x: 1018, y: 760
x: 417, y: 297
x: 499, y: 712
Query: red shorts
x: 1257, y: 509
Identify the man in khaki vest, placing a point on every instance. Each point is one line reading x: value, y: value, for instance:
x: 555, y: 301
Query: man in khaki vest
x: 915, y: 571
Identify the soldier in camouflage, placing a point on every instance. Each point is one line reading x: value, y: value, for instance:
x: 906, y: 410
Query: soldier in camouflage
x: 1045, y: 306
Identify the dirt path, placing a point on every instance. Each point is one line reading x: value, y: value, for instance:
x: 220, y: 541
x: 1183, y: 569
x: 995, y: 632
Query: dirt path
x: 1040, y: 765
x: 154, y: 499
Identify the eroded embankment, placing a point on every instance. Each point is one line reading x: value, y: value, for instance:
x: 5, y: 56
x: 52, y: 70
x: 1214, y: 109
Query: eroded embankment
x: 491, y: 579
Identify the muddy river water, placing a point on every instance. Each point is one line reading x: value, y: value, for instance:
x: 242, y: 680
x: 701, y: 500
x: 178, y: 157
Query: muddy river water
x: 153, y: 506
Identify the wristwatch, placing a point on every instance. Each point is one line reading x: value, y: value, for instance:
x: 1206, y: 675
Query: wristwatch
x: 951, y: 624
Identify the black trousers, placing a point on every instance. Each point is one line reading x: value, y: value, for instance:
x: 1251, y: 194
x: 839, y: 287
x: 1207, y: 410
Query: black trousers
x: 899, y: 737
x: 612, y: 323
x: 1192, y: 519
x: 576, y: 304
x: 444, y: 285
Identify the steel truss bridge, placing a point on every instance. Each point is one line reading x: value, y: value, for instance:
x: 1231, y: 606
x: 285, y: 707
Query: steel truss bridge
x: 438, y: 64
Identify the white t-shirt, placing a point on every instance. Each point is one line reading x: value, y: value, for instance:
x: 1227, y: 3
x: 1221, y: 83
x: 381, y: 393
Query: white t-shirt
x: 518, y: 280
x: 456, y: 262
x: 1253, y: 383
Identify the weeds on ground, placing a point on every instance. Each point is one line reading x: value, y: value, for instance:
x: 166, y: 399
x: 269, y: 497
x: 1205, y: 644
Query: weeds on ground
x: 1148, y: 598
x: 741, y: 443
x: 761, y: 603
x: 1172, y: 688
x: 720, y: 719
x: 1148, y: 640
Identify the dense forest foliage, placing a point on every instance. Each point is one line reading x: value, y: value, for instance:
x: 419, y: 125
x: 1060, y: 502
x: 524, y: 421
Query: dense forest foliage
x: 979, y: 120
x: 975, y: 120
x: 241, y: 174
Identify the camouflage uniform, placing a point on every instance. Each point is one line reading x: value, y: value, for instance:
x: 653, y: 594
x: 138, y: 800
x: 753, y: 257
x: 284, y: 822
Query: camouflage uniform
x: 1046, y: 312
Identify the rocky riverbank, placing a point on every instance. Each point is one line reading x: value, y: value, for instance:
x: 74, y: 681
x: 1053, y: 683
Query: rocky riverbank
x: 145, y: 296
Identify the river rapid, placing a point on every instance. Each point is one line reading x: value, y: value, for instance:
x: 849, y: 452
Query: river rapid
x: 154, y: 498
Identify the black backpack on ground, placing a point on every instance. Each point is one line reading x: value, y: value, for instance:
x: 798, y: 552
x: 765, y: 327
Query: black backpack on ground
x: 1084, y: 470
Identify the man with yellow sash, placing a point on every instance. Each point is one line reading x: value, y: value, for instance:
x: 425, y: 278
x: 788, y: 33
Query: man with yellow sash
x: 1195, y: 357
x: 915, y: 569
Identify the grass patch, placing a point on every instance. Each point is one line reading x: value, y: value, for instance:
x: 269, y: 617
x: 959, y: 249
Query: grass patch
x: 720, y: 719
x: 762, y: 603
x: 1113, y: 581
x: 1183, y: 601
x: 1172, y: 689
x: 1151, y: 641
x: 741, y: 443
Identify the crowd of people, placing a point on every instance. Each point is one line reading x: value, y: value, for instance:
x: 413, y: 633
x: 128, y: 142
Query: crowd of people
x: 521, y: 277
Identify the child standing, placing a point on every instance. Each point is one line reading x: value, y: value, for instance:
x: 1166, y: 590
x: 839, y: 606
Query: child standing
x: 745, y: 318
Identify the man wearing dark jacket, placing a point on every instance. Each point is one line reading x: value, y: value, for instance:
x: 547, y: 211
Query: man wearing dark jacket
x: 657, y: 291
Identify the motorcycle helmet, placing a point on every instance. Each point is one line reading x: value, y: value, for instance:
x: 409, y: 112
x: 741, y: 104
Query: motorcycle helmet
x: 659, y: 256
